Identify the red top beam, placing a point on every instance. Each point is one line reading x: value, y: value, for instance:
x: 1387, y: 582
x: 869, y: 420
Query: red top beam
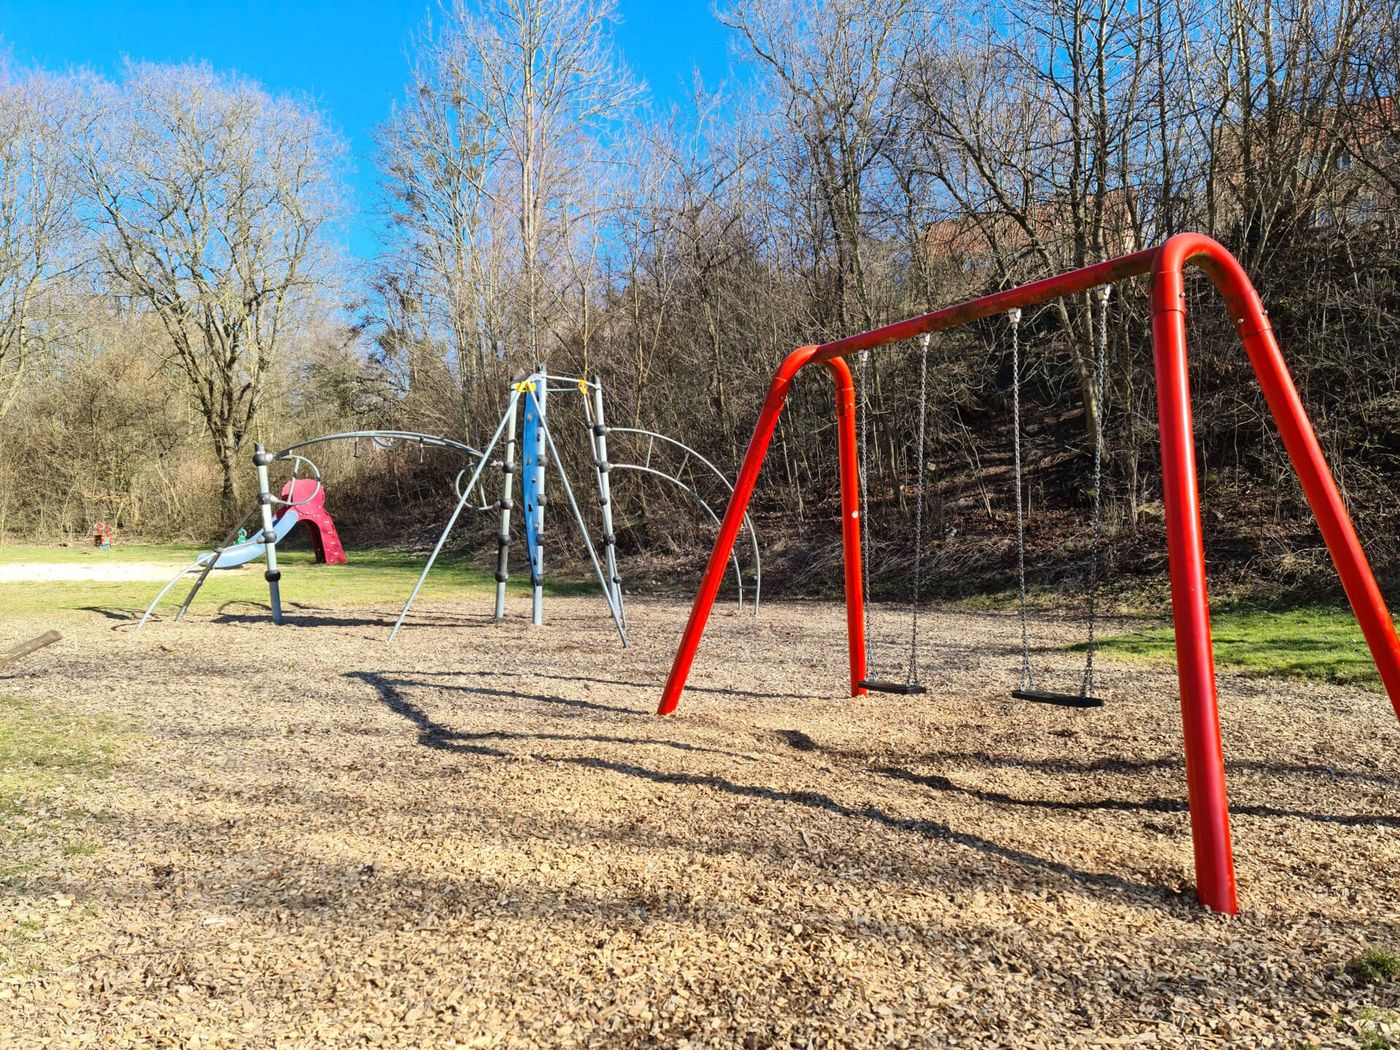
x: 1033, y: 294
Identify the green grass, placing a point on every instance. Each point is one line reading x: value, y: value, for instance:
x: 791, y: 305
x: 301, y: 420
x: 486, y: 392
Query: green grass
x: 1315, y: 643
x: 48, y: 763
x: 42, y: 755
x: 85, y: 553
x: 373, y: 577
x: 1373, y: 966
x: 1373, y: 1029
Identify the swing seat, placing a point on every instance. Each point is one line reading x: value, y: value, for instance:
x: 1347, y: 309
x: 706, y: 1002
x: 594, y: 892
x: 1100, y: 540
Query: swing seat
x: 1041, y: 696
x: 875, y: 685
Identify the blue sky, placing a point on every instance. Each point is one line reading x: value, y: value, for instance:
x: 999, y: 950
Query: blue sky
x: 350, y: 55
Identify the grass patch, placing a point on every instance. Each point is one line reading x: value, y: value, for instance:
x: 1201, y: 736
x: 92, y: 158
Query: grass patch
x: 1314, y: 643
x: 1374, y: 1029
x: 372, y: 577
x: 86, y: 554
x: 1373, y: 966
x: 48, y: 763
x: 45, y: 760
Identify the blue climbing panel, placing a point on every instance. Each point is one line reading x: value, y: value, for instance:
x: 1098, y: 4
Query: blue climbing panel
x: 532, y: 486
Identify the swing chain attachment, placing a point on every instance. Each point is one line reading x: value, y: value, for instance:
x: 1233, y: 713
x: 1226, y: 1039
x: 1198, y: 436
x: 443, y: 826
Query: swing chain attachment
x: 913, y: 676
x: 864, y: 458
x: 1027, y: 680
x: 1100, y: 323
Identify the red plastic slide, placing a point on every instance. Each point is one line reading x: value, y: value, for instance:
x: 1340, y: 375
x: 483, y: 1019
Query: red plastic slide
x: 324, y: 539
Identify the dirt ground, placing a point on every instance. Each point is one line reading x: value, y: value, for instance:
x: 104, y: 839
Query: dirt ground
x: 481, y: 835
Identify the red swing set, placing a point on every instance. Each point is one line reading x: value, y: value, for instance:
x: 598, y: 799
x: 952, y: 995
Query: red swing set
x: 1205, y: 763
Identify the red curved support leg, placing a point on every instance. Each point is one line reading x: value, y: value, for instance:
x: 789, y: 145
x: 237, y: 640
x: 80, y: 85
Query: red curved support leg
x: 1304, y: 452
x: 729, y: 527
x: 1333, y: 521
x: 850, y: 518
x: 738, y: 506
x: 1195, y: 661
x: 1205, y: 768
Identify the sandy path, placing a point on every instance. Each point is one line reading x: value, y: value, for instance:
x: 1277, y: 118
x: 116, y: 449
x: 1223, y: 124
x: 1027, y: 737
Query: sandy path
x: 482, y: 836
x: 43, y: 572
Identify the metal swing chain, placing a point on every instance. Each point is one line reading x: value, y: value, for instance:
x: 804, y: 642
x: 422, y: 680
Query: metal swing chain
x: 1101, y: 294
x: 913, y: 675
x: 1027, y: 675
x: 864, y: 459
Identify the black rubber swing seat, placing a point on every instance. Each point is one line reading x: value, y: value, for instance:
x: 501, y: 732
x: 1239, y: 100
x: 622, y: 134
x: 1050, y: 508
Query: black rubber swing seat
x: 875, y: 685
x: 1040, y: 696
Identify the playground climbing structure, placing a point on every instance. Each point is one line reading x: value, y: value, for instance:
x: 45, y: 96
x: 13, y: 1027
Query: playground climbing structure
x: 531, y: 404
x: 522, y: 445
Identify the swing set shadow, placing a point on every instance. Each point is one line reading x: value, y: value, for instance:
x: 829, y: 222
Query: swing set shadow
x: 438, y: 736
x: 1166, y: 265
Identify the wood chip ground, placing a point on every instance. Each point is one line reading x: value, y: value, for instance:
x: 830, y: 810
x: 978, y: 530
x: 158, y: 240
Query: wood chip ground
x: 482, y: 836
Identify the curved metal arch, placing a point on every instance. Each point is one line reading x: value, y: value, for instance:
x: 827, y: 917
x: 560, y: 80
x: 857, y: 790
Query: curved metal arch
x: 392, y: 437
x: 457, y: 491
x: 150, y: 609
x: 748, y: 522
x: 738, y: 572
x: 387, y: 439
x: 286, y: 504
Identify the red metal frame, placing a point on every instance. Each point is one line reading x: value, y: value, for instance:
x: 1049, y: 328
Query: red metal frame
x: 1205, y: 764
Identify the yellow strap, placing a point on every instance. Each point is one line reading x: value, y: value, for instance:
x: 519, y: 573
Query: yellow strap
x: 526, y: 387
x: 583, y: 387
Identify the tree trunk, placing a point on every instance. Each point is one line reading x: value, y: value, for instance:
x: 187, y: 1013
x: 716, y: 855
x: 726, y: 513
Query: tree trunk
x: 228, y: 495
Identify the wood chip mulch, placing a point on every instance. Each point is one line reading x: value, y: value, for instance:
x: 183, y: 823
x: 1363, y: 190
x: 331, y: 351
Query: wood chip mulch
x: 481, y: 836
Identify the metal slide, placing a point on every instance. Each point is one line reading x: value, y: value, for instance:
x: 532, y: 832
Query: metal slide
x: 225, y: 558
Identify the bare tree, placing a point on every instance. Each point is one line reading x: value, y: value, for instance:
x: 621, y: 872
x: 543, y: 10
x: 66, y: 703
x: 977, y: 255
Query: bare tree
x: 443, y: 270
x: 1372, y: 124
x: 1286, y: 80
x: 38, y: 192
x: 833, y: 71
x: 542, y: 82
x: 212, y: 199
x: 1038, y: 130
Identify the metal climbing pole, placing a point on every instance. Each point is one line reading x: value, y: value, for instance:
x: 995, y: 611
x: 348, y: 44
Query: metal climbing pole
x: 463, y: 500
x: 578, y: 520
x: 507, y: 491
x: 600, y: 454
x: 269, y: 535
